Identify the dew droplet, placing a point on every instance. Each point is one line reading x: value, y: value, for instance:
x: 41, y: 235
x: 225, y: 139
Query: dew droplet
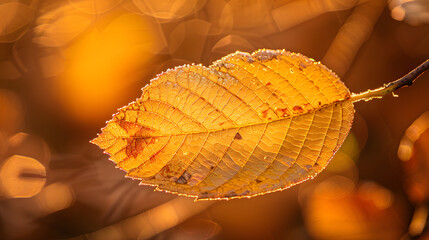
x: 291, y: 70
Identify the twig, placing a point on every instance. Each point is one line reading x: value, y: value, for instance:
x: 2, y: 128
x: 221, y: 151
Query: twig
x: 406, y: 80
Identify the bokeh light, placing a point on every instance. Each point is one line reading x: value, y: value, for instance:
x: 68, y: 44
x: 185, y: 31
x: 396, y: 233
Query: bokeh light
x: 415, y: 12
x: 21, y: 177
x: 55, y: 197
x: 337, y: 209
x: 413, y: 151
x: 28, y: 145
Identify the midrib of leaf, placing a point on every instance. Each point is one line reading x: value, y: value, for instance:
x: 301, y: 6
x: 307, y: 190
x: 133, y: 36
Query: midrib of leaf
x: 241, y: 126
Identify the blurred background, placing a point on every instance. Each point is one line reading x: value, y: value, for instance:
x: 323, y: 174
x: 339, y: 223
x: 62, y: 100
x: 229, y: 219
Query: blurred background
x: 66, y: 66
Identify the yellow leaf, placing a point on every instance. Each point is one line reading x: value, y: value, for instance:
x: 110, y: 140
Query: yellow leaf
x: 247, y: 125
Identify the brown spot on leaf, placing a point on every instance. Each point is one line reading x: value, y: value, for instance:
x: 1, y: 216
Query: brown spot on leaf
x: 258, y: 181
x: 184, y: 178
x: 298, y: 108
x: 265, y: 113
x: 268, y: 84
x: 307, y: 105
x: 135, y: 146
x: 283, y: 112
x: 127, y: 126
x: 134, y: 129
x: 238, y: 136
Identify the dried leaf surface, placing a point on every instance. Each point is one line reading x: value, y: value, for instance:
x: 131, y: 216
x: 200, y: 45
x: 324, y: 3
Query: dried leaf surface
x: 247, y: 125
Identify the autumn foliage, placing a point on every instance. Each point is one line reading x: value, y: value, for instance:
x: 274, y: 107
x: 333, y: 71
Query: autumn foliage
x: 247, y: 125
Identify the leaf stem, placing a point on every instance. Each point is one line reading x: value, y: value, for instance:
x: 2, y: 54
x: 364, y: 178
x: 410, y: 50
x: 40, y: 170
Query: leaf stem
x: 406, y: 80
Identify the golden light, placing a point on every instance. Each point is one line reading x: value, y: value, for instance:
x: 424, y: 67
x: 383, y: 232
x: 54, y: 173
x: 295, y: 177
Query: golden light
x: 55, y: 197
x: 24, y: 144
x: 411, y: 135
x: 379, y: 196
x: 413, y: 153
x: 366, y: 211
x: 398, y: 13
x: 419, y: 220
x: 21, y: 177
x: 102, y: 64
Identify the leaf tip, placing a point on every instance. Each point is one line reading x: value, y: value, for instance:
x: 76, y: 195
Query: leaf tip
x: 96, y: 140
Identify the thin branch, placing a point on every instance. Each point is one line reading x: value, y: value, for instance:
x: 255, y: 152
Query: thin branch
x: 406, y: 80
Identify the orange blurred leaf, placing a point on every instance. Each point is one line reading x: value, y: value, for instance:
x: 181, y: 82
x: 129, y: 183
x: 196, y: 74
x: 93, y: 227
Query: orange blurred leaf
x: 13, y: 16
x: 413, y: 151
x: 168, y: 10
x: 60, y: 27
x: 337, y: 209
x: 94, y: 6
x: 247, y: 125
